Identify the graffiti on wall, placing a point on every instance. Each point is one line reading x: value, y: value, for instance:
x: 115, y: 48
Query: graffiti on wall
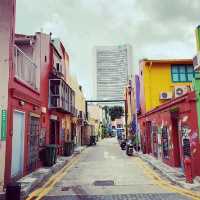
x: 154, y: 139
x: 165, y: 142
x: 185, y: 131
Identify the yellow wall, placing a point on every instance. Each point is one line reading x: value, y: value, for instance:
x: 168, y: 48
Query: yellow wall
x: 95, y: 116
x: 79, y: 95
x: 157, y: 79
x: 79, y: 105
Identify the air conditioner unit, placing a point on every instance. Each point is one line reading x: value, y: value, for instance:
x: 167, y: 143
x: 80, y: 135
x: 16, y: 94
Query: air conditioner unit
x: 180, y: 90
x: 165, y: 95
x: 196, y: 62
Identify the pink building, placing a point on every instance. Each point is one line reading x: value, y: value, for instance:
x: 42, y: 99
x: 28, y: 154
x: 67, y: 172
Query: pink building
x: 40, y: 103
x: 7, y: 21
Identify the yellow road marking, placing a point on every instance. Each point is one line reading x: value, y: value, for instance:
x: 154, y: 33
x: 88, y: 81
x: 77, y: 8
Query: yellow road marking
x: 41, y: 192
x: 163, y: 183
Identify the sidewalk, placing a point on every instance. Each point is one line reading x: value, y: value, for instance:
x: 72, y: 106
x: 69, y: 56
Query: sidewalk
x: 36, y: 178
x: 175, y: 175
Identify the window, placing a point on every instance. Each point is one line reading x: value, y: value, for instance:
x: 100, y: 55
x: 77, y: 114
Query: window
x: 182, y: 73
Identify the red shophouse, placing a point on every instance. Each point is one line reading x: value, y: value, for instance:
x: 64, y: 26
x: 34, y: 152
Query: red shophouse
x: 40, y: 102
x: 58, y: 99
x: 23, y: 126
x: 170, y: 132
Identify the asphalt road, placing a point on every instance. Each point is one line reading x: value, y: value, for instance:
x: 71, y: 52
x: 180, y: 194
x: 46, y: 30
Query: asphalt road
x: 105, y: 172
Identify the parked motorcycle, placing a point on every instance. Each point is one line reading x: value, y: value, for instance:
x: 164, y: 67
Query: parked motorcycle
x: 129, y: 148
x: 123, y: 144
x: 92, y: 140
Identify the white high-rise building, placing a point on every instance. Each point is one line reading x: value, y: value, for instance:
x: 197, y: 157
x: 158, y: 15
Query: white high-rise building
x: 113, y: 67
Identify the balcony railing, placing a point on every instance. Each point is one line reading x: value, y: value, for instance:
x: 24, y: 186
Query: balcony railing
x: 25, y: 68
x: 61, y: 96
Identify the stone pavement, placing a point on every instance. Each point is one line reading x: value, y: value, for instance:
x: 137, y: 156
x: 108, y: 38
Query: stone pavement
x: 175, y: 175
x: 38, y: 177
x: 164, y: 196
x: 106, y: 172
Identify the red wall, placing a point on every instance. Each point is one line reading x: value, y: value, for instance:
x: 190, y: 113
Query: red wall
x: 187, y: 117
x: 32, y: 99
x: 34, y: 102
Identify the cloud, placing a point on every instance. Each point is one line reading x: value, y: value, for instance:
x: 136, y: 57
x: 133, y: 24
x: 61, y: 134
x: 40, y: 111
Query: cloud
x: 155, y: 28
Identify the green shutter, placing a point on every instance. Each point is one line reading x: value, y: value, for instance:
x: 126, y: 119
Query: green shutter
x: 197, y: 33
x: 3, y: 124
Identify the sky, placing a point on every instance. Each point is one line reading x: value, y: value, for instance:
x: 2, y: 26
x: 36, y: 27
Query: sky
x: 154, y: 28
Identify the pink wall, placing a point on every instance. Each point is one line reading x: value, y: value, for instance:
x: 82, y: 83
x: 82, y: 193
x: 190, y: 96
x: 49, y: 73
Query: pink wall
x: 7, y: 28
x: 32, y: 99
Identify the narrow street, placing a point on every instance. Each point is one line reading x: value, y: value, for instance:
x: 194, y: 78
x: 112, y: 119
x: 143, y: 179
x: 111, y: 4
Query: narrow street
x: 105, y: 172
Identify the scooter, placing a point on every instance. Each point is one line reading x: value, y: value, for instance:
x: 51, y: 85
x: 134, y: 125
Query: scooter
x: 129, y: 148
x: 92, y: 140
x: 123, y: 144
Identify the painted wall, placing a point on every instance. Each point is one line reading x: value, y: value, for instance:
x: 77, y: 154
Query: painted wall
x: 187, y: 125
x: 79, y: 105
x: 79, y: 95
x: 32, y: 105
x: 46, y: 68
x: 137, y: 93
x: 95, y: 116
x: 155, y: 77
x: 7, y: 29
x: 196, y: 81
x: 197, y: 34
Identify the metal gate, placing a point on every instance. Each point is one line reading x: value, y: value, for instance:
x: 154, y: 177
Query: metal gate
x: 34, y: 142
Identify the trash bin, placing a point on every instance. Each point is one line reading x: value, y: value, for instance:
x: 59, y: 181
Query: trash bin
x: 50, y: 155
x: 13, y: 191
x: 68, y: 148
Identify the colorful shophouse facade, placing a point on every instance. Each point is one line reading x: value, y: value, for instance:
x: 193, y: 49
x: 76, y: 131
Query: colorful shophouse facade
x: 168, y: 121
x: 7, y: 21
x: 170, y: 132
x: 41, y: 103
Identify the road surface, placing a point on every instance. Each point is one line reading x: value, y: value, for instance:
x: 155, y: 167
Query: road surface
x: 105, y: 172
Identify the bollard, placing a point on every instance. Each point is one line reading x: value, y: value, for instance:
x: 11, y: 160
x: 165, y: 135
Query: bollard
x: 188, y: 170
x: 13, y: 191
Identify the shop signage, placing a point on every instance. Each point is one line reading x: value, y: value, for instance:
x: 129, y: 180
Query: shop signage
x: 3, y: 124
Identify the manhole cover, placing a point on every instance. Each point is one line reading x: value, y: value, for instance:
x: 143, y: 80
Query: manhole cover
x: 104, y: 183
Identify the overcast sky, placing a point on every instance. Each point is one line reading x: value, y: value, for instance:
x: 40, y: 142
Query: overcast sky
x: 154, y: 28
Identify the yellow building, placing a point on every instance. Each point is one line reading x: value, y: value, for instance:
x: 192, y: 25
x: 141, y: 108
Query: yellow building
x: 78, y: 120
x: 95, y: 115
x: 162, y: 80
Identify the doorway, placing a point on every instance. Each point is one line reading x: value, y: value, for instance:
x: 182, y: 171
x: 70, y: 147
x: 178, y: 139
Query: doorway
x: 18, y: 144
x: 34, y: 142
x: 148, y: 137
x: 73, y: 131
x: 175, y: 139
x: 54, y: 132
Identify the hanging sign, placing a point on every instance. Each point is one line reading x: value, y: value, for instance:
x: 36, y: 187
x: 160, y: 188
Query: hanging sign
x: 3, y: 124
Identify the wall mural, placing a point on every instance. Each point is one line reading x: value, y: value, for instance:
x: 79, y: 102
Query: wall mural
x: 186, y: 140
x: 154, y: 139
x: 165, y: 142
